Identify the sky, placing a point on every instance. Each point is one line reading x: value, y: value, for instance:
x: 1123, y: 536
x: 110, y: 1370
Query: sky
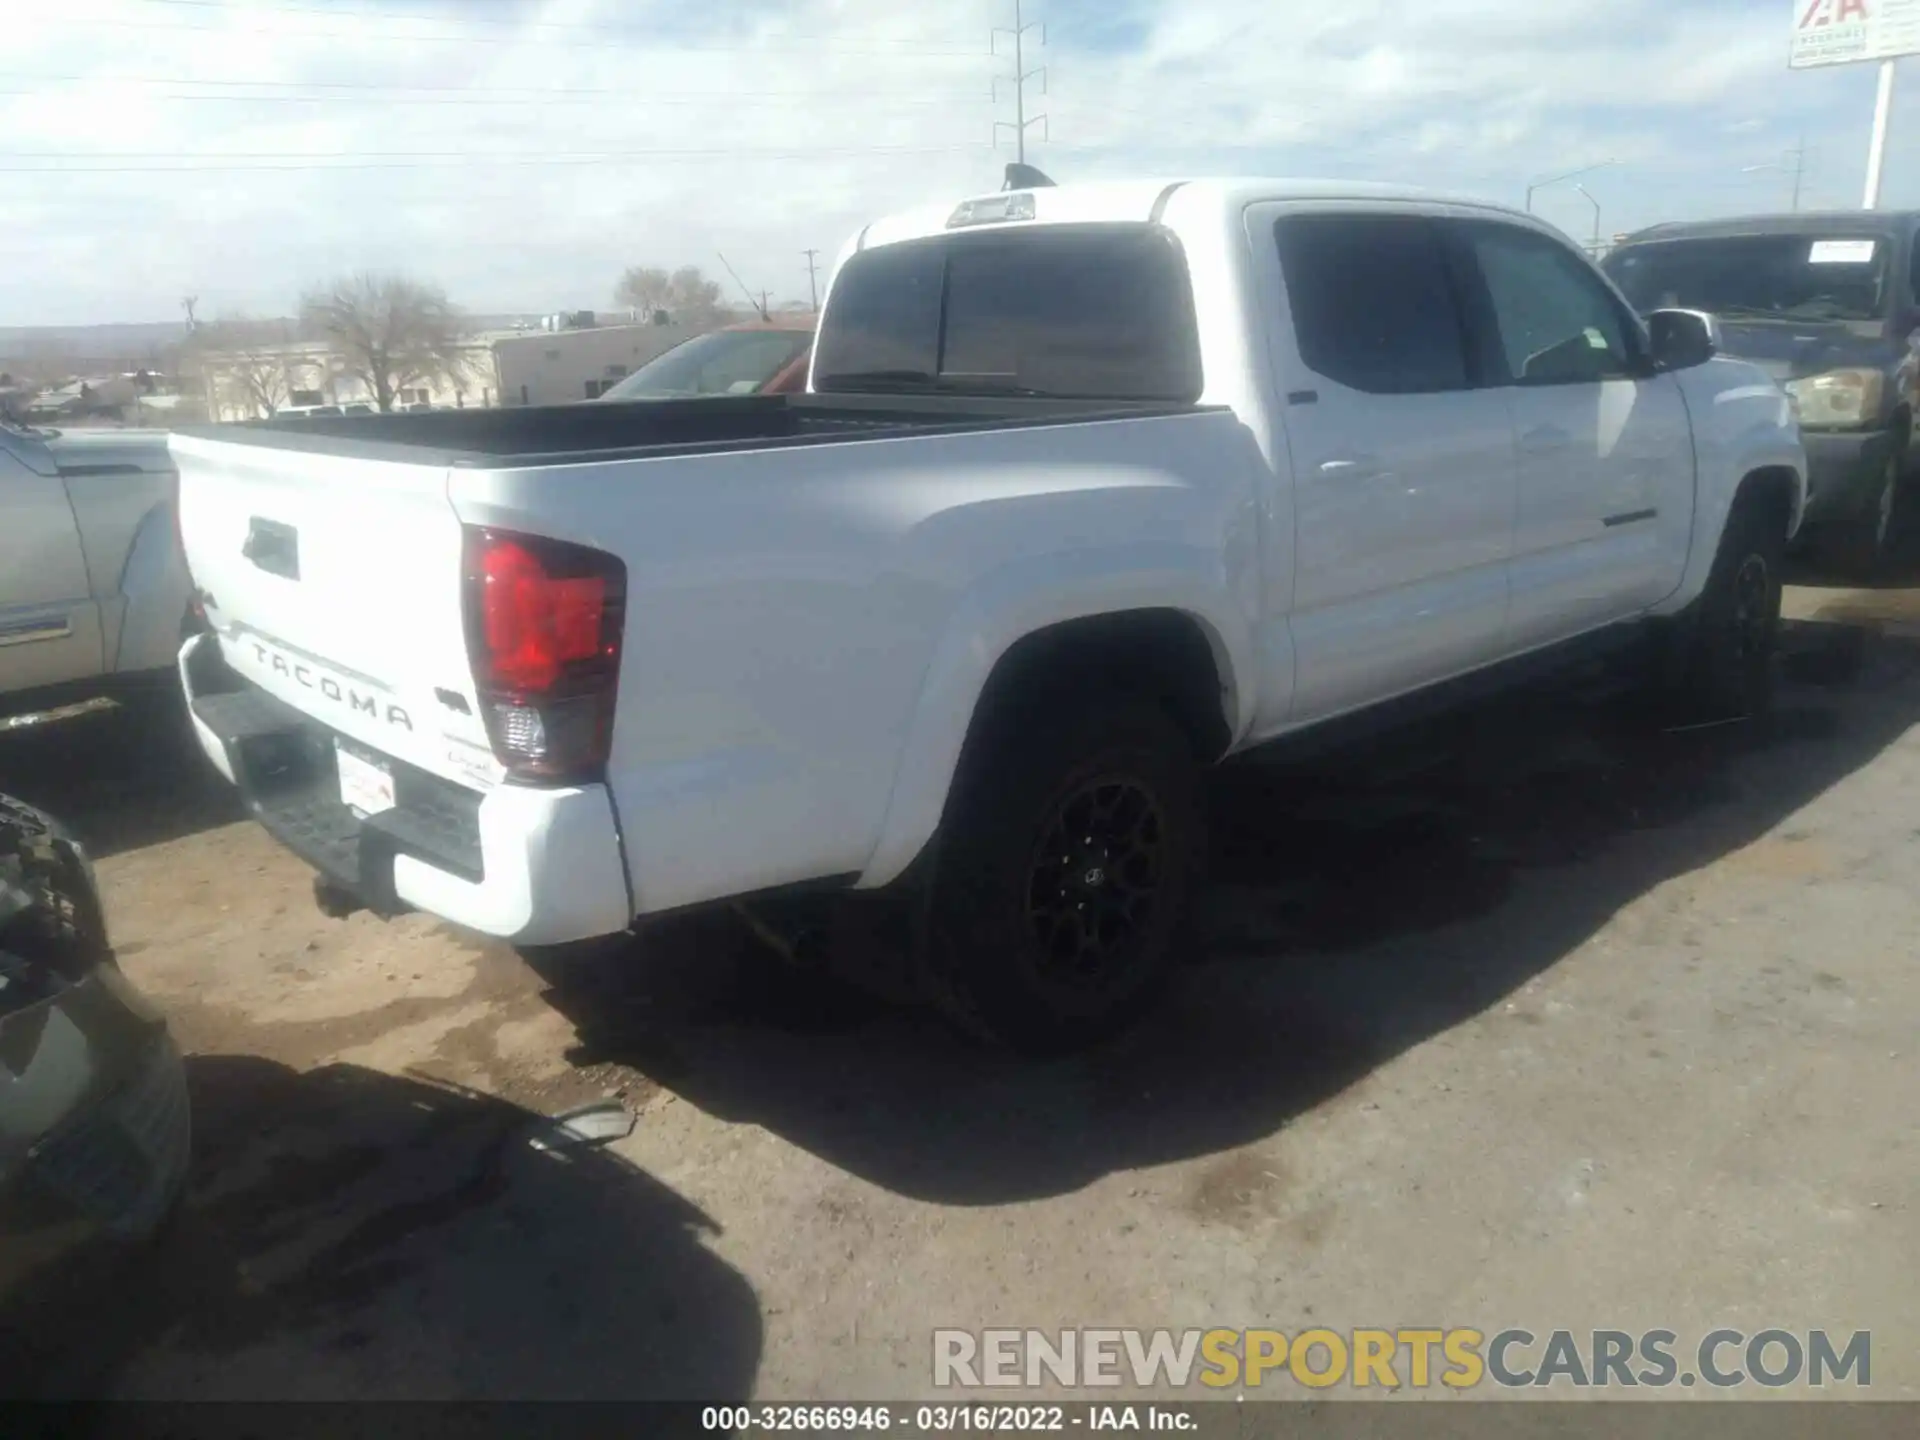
x: 522, y: 153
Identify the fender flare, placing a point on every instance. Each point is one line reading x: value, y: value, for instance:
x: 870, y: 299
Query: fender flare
x: 1022, y: 599
x: 156, y: 591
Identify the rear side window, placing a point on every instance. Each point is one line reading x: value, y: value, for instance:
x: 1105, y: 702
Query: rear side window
x: 1373, y: 307
x: 1083, y: 311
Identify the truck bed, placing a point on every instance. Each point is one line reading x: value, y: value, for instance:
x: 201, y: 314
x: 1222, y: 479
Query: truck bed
x: 559, y: 434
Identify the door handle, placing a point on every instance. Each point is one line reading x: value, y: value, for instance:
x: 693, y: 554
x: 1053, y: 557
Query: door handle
x: 1545, y: 437
x: 1350, y: 465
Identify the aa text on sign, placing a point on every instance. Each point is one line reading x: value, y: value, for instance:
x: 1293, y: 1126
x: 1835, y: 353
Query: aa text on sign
x: 1844, y: 32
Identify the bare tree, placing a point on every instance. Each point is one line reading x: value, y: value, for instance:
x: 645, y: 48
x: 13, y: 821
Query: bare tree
x: 245, y: 362
x: 688, y: 296
x: 391, y: 332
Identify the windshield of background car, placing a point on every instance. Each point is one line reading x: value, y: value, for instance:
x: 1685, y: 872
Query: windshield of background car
x: 1076, y: 311
x: 727, y: 362
x: 1804, y: 277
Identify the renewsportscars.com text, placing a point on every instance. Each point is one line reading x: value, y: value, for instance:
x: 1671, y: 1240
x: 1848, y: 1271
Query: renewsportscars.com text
x: 1456, y: 1359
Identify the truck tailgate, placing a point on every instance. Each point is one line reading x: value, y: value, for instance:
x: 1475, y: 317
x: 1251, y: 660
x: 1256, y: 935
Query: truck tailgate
x: 334, y: 584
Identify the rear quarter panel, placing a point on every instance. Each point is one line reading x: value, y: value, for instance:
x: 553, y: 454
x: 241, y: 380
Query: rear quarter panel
x: 808, y: 628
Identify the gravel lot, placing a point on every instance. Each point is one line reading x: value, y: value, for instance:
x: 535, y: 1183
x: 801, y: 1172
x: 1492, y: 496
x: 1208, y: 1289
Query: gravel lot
x: 1550, y: 1022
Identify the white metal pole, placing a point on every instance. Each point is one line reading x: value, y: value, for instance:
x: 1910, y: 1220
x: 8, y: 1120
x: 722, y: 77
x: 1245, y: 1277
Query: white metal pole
x: 1877, y: 152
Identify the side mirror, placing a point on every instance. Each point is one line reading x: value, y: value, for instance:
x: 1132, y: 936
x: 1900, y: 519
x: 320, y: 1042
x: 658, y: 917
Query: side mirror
x: 1683, y: 338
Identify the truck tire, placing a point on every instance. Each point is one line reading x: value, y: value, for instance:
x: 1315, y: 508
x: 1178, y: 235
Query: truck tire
x: 1072, y: 851
x: 1861, y: 545
x: 1726, y: 668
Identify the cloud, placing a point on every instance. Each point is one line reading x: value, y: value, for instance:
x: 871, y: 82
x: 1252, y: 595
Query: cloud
x: 522, y: 154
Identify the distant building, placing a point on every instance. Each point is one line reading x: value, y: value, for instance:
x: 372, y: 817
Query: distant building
x: 100, y: 396
x: 514, y: 367
x: 251, y: 383
x: 553, y: 368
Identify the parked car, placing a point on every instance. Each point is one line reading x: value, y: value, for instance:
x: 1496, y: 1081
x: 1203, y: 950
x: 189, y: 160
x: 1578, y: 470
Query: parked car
x: 757, y: 358
x: 301, y: 412
x: 93, y: 590
x: 94, y: 1123
x: 1829, y: 305
x: 1093, y: 486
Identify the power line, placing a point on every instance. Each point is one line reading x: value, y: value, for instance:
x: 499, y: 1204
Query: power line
x: 918, y: 100
x: 409, y: 37
x: 1021, y: 75
x: 402, y: 160
x: 468, y: 17
x: 363, y: 86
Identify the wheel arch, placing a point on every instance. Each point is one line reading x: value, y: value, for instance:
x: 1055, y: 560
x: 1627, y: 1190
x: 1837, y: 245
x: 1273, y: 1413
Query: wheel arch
x: 1176, y: 656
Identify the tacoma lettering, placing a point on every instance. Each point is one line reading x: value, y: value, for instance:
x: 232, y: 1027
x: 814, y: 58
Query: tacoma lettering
x: 369, y: 705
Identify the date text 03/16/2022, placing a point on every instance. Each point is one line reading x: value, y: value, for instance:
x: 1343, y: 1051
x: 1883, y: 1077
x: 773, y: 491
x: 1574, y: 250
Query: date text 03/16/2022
x: 948, y: 1419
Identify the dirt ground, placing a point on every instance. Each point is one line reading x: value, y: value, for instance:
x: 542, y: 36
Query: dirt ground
x: 1550, y: 1021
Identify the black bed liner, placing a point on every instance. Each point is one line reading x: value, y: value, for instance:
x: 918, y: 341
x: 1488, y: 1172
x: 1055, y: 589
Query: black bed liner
x: 590, y: 431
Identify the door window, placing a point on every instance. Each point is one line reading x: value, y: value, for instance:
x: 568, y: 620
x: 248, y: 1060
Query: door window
x: 1558, y: 323
x: 1373, y: 306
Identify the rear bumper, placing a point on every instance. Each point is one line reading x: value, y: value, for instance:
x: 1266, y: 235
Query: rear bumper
x: 1842, y: 467
x: 534, y: 866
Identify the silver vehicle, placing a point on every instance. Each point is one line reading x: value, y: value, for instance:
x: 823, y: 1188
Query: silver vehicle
x: 94, y: 1123
x: 93, y: 590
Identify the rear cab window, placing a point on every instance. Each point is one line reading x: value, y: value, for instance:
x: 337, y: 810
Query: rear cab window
x: 1072, y: 311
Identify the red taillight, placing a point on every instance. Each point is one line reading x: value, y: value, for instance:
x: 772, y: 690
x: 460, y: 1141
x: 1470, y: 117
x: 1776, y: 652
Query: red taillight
x: 535, y: 623
x: 544, y: 621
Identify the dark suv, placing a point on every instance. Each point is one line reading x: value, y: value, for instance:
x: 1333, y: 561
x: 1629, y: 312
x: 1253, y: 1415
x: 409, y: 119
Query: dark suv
x: 1829, y: 303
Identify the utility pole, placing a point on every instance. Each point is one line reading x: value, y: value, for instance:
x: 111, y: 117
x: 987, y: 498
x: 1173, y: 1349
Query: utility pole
x: 1794, y: 163
x: 1021, y: 75
x: 813, y: 285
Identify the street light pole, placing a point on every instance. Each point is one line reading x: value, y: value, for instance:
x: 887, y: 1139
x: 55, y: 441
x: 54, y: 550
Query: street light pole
x: 1596, y: 215
x: 1557, y: 179
x: 1798, y: 171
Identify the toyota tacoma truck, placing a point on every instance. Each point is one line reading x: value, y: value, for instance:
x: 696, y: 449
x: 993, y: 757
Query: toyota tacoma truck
x: 1091, y: 486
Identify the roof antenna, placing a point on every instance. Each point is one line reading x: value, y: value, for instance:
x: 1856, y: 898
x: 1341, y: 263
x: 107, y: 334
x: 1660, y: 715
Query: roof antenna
x: 759, y: 307
x: 1025, y: 177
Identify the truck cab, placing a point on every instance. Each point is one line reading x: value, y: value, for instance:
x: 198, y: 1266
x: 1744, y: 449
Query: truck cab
x: 1828, y: 304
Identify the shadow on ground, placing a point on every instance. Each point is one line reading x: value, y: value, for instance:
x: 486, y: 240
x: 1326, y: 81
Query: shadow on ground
x: 119, y: 776
x: 354, y: 1235
x: 1359, y: 909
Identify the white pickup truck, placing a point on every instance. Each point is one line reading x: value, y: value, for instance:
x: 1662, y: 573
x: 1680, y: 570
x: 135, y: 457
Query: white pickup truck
x: 1092, y: 486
